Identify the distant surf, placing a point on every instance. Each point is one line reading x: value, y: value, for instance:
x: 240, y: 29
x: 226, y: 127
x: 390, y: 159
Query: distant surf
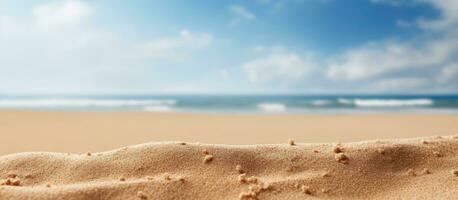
x: 262, y: 104
x: 68, y: 102
x: 387, y: 102
x: 272, y: 107
x: 320, y: 102
x: 161, y: 108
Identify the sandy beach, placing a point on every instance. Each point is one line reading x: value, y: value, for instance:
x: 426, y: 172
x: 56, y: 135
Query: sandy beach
x: 79, y: 132
x: 124, y: 155
x: 389, y: 169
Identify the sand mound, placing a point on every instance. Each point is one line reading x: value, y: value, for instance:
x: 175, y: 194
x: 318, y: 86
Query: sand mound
x: 393, y: 169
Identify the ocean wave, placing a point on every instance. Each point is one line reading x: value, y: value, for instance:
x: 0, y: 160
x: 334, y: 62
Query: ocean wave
x: 21, y: 103
x: 345, y: 101
x: 162, y: 108
x: 320, y: 102
x: 387, y: 102
x: 272, y: 107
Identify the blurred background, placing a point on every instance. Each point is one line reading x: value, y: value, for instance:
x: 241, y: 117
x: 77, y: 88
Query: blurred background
x: 268, y: 69
x: 292, y: 56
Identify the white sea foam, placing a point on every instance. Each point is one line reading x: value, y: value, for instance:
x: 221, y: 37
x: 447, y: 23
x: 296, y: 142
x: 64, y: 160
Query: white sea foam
x: 160, y: 108
x: 26, y: 103
x: 272, y: 107
x: 320, y: 102
x: 345, y: 101
x: 392, y: 102
x: 387, y: 102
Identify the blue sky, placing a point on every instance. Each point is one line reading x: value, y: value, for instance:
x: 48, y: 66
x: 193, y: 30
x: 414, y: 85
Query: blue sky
x: 256, y: 46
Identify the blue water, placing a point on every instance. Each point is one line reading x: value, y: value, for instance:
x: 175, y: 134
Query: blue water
x: 239, y: 104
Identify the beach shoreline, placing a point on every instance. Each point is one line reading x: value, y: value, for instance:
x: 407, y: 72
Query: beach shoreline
x: 77, y: 132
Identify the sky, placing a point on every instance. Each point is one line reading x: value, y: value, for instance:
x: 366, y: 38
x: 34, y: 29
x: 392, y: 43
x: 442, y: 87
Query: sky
x: 229, y: 47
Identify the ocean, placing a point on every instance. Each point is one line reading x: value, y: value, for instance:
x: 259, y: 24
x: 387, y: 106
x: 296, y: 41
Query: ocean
x: 240, y: 104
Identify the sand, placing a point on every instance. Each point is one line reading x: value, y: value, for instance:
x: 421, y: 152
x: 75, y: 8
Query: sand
x: 380, y: 169
x: 82, y: 132
x: 63, y: 156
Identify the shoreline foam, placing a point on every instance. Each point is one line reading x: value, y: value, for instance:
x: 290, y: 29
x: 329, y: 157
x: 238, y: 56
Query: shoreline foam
x: 249, y: 104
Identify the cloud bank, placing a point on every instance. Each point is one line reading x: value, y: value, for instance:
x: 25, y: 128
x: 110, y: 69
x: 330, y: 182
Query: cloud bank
x: 426, y: 63
x: 282, y: 68
x: 56, y: 47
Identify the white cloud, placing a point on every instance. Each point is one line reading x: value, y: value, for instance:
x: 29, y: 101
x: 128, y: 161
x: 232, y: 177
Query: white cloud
x: 399, y: 84
x: 378, y: 59
x: 56, y: 48
x: 448, y: 12
x: 448, y: 73
x: 381, y: 58
x: 240, y: 13
x: 46, y: 33
x: 58, y: 14
x: 448, y: 18
x: 426, y: 62
x: 278, y: 67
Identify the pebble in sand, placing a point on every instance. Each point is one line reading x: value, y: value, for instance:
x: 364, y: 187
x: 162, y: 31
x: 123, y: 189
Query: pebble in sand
x: 338, y: 149
x: 341, y: 158
x: 242, y: 178
x: 291, y: 142
x: 455, y: 172
x: 141, y: 195
x: 410, y: 172
x: 12, y: 182
x: 208, y: 158
x: 306, y: 190
x: 426, y: 171
x: 239, y: 169
x: 437, y: 154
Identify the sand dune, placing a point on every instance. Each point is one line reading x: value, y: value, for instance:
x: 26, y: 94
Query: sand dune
x: 420, y: 168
